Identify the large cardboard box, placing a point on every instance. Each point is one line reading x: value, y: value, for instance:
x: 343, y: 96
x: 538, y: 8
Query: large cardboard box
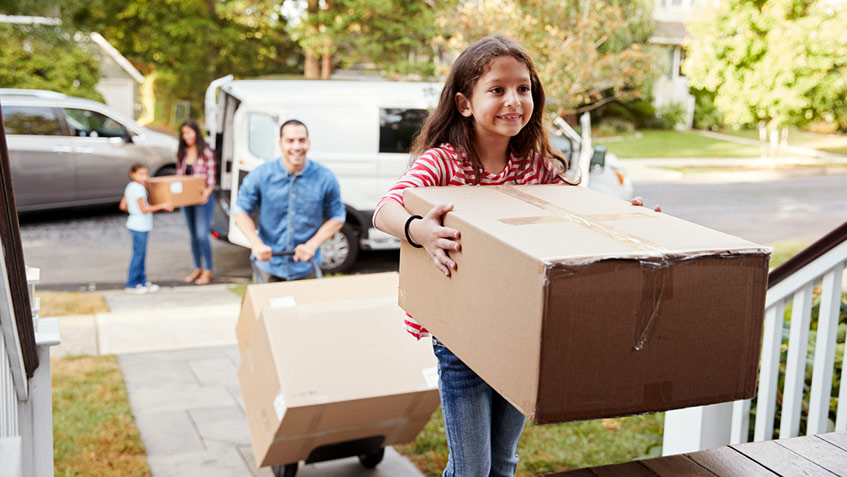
x: 322, y: 374
x: 180, y: 190
x: 576, y: 305
x: 303, y: 292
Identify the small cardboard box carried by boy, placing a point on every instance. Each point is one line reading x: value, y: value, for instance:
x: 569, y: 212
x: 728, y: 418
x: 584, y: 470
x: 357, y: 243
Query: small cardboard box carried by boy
x: 322, y: 378
x: 180, y: 190
x: 575, y: 305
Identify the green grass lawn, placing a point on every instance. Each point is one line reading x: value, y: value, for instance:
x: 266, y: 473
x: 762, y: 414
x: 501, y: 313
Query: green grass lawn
x: 836, y: 143
x: 94, y: 430
x: 553, y: 448
x: 655, y: 143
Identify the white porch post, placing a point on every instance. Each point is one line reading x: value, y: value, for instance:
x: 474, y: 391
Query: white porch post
x: 35, y: 415
x: 696, y: 428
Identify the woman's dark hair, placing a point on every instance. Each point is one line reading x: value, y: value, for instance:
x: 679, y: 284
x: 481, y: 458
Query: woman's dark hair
x: 446, y: 123
x: 198, y: 141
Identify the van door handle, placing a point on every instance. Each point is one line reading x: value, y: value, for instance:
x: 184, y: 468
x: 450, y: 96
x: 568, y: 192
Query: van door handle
x: 84, y: 150
x: 62, y: 149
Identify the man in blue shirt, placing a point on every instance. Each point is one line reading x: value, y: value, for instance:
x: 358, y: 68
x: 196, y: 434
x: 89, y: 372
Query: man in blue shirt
x: 299, y: 204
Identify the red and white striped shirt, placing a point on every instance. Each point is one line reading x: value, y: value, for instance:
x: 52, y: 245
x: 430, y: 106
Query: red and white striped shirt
x: 444, y: 166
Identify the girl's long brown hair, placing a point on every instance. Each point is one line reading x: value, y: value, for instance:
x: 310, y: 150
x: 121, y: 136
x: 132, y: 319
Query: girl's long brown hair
x: 446, y: 124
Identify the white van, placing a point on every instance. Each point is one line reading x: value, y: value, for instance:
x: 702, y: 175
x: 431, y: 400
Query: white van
x: 361, y: 130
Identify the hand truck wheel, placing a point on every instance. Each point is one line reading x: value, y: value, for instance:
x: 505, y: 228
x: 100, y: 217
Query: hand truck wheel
x: 371, y: 460
x: 287, y: 470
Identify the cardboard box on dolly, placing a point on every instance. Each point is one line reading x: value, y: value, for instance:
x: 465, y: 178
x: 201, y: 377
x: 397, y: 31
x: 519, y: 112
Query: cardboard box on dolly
x: 304, y: 292
x: 337, y: 378
x: 576, y: 305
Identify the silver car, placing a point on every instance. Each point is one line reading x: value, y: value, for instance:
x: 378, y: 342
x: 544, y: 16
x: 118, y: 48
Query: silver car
x: 67, y: 152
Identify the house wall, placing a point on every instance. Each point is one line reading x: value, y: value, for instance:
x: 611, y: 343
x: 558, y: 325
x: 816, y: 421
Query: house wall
x: 120, y: 94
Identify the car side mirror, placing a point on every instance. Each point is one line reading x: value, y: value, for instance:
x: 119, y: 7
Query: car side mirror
x: 598, y: 159
x: 127, y: 137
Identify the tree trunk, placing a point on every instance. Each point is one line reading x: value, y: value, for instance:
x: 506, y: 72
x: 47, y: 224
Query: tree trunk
x: 311, y: 69
x: 763, y: 138
x: 326, y: 60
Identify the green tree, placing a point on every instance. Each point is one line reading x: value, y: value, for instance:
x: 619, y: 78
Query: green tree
x: 587, y: 52
x: 46, y: 57
x: 187, y: 43
x: 782, y: 62
x: 391, y: 36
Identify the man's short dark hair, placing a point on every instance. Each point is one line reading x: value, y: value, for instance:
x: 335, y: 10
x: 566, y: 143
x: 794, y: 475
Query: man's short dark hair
x: 295, y: 122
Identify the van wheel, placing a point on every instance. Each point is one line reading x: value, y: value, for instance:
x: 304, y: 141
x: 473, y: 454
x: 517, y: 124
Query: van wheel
x: 340, y: 251
x: 166, y: 171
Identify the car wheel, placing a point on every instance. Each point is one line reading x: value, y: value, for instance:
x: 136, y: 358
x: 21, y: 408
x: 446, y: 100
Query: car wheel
x: 166, y: 171
x: 340, y: 251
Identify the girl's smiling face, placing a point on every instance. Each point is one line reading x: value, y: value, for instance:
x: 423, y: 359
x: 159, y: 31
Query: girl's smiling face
x: 501, y: 100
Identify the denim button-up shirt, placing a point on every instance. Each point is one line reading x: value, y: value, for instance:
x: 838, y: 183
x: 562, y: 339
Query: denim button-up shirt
x: 292, y: 207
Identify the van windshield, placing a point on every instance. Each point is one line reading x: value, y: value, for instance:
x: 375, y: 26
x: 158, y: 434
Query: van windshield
x: 263, y: 135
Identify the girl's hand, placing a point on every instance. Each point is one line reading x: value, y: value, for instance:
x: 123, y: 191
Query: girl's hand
x: 638, y: 201
x: 204, y: 198
x: 436, y: 239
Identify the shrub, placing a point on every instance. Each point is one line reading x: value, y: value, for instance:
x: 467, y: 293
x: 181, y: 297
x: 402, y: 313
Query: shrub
x: 706, y: 114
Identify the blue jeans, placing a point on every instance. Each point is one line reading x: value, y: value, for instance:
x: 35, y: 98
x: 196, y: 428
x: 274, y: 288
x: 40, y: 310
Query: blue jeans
x: 199, y: 218
x: 482, y: 428
x: 136, y: 264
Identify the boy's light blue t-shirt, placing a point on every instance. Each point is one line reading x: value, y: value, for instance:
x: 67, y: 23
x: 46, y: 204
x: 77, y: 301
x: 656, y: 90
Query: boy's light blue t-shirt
x: 138, y: 220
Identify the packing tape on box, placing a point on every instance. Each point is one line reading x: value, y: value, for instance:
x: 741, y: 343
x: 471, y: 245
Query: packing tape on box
x: 594, y: 222
x: 590, y: 222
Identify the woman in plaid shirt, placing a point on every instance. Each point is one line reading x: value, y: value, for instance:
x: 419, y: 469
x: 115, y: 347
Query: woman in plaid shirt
x: 195, y: 158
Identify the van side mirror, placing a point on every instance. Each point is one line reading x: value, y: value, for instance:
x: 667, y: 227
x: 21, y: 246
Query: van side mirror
x: 598, y: 159
x: 127, y: 137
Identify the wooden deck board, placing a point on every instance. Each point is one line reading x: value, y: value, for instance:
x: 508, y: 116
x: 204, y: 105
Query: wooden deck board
x: 726, y: 461
x: 781, y: 460
x: 820, y: 451
x: 627, y: 469
x: 676, y: 465
x: 835, y: 438
x: 820, y: 455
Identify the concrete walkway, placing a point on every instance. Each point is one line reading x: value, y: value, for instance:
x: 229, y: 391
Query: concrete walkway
x: 179, y: 356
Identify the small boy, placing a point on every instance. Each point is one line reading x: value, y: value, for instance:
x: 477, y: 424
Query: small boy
x: 139, y: 223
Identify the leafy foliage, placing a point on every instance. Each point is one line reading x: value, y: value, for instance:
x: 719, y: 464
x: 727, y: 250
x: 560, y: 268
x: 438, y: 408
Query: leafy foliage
x: 392, y: 36
x: 190, y: 42
x: 586, y: 53
x: 45, y: 57
x: 780, y: 61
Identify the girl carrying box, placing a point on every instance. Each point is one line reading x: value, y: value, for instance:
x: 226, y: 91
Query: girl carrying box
x: 486, y: 130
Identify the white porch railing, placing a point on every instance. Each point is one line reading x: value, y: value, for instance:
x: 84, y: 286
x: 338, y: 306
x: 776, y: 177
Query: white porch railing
x: 26, y: 405
x: 788, y: 342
